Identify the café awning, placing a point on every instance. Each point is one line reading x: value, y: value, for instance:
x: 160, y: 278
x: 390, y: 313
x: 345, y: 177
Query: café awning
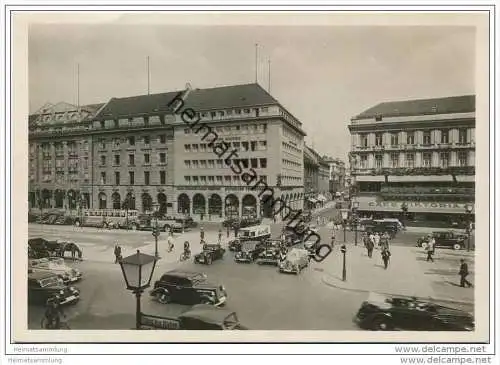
x: 413, y: 207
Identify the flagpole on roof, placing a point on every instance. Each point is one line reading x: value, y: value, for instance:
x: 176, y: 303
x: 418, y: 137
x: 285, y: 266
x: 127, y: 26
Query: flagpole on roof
x: 78, y: 89
x: 147, y: 62
x: 256, y: 62
x: 269, y: 76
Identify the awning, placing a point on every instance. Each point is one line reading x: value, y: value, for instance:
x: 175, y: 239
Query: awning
x: 466, y: 178
x: 322, y: 198
x: 410, y: 178
x: 312, y: 200
x: 413, y: 207
x: 376, y: 178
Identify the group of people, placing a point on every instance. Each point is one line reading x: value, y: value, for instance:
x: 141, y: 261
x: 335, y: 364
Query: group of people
x: 380, y: 241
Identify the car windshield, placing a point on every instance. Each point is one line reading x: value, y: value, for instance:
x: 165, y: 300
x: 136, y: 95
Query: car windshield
x: 197, y: 279
x: 52, y: 281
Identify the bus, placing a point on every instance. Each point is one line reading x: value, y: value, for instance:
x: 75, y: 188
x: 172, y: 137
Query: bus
x: 106, y: 218
x: 261, y: 232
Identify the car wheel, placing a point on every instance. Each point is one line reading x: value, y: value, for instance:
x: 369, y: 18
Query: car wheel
x: 133, y: 227
x: 424, y: 245
x: 382, y: 323
x: 104, y: 225
x: 163, y: 298
x: 209, y: 260
x: 77, y: 223
x: 166, y: 228
x: 457, y: 246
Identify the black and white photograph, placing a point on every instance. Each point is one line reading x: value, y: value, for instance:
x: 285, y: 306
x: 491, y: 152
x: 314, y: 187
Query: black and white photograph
x: 245, y: 173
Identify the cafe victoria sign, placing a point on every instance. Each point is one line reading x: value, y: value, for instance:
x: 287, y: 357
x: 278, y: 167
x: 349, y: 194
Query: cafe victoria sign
x: 437, y: 207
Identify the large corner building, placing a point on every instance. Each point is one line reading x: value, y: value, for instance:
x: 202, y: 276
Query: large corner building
x: 137, y: 150
x: 417, y: 153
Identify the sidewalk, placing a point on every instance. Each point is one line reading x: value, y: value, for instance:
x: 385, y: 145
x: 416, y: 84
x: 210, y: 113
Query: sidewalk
x: 408, y: 274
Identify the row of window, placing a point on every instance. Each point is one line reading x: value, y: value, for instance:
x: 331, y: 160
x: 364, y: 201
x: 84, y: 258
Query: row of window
x: 289, y: 180
x: 131, y: 178
x: 237, y: 112
x: 240, y: 146
x: 131, y: 141
x: 294, y: 137
x: 410, y: 138
x: 289, y: 147
x: 235, y: 129
x: 289, y: 163
x: 245, y: 163
x: 218, y: 180
x: 162, y: 158
x: 409, y: 161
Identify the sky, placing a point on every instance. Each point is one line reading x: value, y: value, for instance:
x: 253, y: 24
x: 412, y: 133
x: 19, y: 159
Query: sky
x: 323, y: 75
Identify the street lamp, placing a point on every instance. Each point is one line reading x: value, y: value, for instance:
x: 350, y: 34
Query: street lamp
x: 343, y: 249
x: 156, y: 230
x: 355, y: 206
x: 137, y: 271
x: 468, y: 211
x: 345, y: 214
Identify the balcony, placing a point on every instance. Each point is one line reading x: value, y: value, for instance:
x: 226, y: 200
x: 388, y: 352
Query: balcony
x: 427, y: 191
x: 418, y: 171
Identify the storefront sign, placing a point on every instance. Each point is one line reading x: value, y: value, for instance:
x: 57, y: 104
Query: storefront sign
x: 425, y: 205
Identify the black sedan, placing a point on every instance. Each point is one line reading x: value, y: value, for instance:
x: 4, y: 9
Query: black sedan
x: 389, y: 313
x: 210, y: 253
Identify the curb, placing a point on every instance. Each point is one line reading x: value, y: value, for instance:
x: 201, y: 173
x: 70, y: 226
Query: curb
x: 357, y: 290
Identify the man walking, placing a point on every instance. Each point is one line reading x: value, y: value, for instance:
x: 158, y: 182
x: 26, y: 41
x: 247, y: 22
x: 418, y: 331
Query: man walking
x: 386, y: 254
x: 464, y: 271
x: 118, y: 253
x: 228, y: 230
x: 369, y: 244
x: 220, y: 236
x: 202, y: 234
x: 376, y: 239
x: 430, y: 250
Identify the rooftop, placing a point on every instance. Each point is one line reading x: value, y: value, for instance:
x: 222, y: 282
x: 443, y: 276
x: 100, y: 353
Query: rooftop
x: 447, y: 105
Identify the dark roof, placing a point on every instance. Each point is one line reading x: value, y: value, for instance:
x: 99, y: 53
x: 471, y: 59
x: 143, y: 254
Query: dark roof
x: 453, y: 104
x: 183, y: 273
x: 207, y: 313
x: 137, y: 105
x: 235, y: 96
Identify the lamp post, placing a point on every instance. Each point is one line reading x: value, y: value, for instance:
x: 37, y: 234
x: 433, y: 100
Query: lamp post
x: 345, y: 214
x: 137, y: 271
x: 343, y: 249
x: 156, y: 230
x: 468, y: 230
x: 355, y: 206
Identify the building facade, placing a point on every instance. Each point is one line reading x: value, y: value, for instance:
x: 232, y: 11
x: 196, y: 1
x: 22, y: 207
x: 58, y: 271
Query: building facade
x: 417, y: 153
x: 316, y: 179
x: 60, y: 156
x: 267, y: 139
x: 337, y: 174
x: 136, y: 151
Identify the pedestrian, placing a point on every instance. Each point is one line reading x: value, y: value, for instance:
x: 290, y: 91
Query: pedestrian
x: 430, y: 250
x: 170, y: 243
x: 333, y: 238
x: 228, y: 230
x: 318, y: 220
x: 369, y: 244
x: 432, y: 242
x: 274, y: 219
x: 386, y: 254
x: 376, y: 239
x: 202, y: 234
x: 464, y: 271
x: 220, y: 236
x: 371, y: 238
x: 118, y: 253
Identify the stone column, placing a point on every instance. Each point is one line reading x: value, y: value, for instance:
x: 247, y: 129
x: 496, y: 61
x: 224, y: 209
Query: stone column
x: 435, y: 159
x: 418, y: 159
x: 453, y: 158
x: 472, y: 158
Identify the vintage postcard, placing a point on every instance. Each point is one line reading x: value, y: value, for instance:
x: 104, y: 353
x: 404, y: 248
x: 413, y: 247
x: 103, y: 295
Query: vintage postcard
x: 250, y: 177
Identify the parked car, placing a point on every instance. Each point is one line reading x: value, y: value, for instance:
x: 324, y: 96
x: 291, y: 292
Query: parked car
x: 188, y: 287
x: 38, y: 248
x: 448, y: 239
x: 234, y: 245
x: 291, y: 238
x: 210, y: 253
x: 56, y: 266
x: 397, y: 223
x: 249, y: 251
x: 270, y: 253
x: 388, y: 313
x: 381, y: 228
x: 296, y: 260
x: 45, y: 285
x: 198, y: 317
x: 148, y: 221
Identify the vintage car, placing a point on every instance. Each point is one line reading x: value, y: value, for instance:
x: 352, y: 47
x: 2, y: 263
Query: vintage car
x: 38, y: 248
x: 448, y: 239
x: 390, y: 228
x: 210, y: 253
x: 188, y: 287
x: 270, y: 253
x: 388, y: 313
x: 243, y: 222
x: 291, y: 238
x: 44, y: 285
x: 198, y: 317
x: 295, y: 260
x: 57, y: 266
x: 249, y: 252
x: 148, y: 221
x: 234, y: 245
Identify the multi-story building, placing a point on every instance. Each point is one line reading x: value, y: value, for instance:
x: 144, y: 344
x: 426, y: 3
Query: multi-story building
x: 337, y: 174
x: 138, y: 151
x: 265, y: 135
x: 316, y: 178
x: 417, y: 153
x: 60, y: 156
